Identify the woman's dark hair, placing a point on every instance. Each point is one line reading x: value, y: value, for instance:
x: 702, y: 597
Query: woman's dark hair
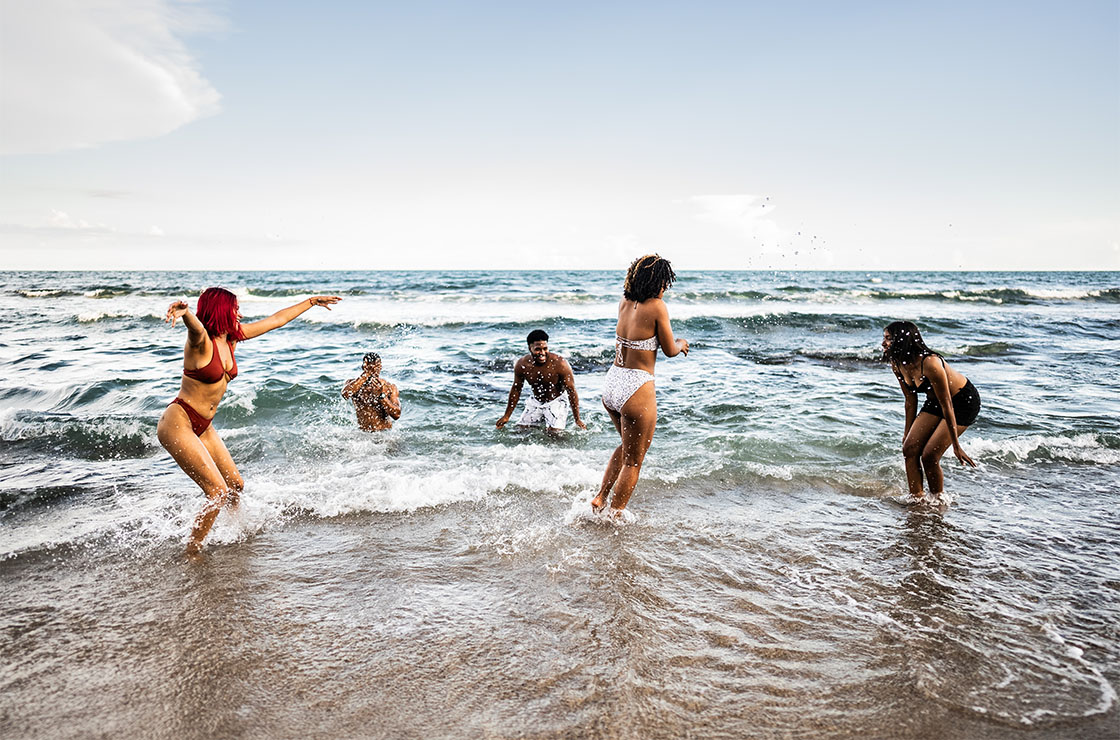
x: 906, y: 343
x: 647, y: 277
x: 217, y: 310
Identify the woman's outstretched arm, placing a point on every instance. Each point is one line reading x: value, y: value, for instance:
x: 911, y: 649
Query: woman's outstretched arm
x: 196, y: 332
x: 284, y: 315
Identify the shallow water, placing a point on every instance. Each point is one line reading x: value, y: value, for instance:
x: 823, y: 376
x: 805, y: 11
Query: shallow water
x: 445, y: 580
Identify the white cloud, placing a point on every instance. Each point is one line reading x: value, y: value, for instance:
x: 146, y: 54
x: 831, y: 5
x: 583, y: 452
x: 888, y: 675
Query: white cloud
x: 746, y: 216
x: 62, y: 220
x: 77, y: 74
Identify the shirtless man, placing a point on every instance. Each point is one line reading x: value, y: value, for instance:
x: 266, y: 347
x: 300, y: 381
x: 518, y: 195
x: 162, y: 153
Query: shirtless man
x: 376, y: 400
x: 550, y: 376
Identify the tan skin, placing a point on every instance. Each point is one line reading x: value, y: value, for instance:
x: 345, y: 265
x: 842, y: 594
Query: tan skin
x: 376, y: 400
x: 926, y: 437
x: 638, y: 418
x: 549, y: 375
x: 205, y: 458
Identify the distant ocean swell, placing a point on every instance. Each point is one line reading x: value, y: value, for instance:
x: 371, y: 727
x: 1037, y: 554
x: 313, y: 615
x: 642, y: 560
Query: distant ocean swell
x: 479, y: 290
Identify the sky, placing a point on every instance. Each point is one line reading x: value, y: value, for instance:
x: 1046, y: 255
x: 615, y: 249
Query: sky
x: 172, y: 134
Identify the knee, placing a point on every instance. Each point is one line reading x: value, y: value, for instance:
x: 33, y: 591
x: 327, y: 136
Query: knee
x: 217, y: 493
x: 236, y: 483
x: 911, y: 450
x: 930, y: 459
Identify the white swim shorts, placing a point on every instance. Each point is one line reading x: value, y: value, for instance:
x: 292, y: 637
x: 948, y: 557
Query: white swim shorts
x: 554, y: 413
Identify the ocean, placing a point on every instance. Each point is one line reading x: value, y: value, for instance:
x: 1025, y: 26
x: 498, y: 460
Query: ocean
x: 445, y: 580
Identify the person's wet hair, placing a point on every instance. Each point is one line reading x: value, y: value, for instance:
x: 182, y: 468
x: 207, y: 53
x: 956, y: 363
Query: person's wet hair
x: 647, y: 277
x: 536, y: 335
x: 371, y: 357
x: 217, y: 310
x: 906, y: 343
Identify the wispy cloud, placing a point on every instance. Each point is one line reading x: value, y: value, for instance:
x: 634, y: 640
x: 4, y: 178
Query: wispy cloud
x: 78, y: 73
x: 63, y: 220
x: 746, y: 216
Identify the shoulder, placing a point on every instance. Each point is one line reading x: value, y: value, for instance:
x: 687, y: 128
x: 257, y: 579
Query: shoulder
x: 933, y: 365
x: 655, y: 307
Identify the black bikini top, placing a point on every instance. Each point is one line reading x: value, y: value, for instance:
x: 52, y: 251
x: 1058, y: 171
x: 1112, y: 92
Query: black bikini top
x: 925, y: 386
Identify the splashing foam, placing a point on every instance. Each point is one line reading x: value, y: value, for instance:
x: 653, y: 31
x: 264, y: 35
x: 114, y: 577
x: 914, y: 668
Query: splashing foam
x: 1078, y: 448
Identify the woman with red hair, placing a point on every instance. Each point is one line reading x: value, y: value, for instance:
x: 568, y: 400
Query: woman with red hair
x: 184, y: 430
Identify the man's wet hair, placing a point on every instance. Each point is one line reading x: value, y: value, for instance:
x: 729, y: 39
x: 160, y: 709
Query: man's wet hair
x: 537, y: 335
x: 371, y: 357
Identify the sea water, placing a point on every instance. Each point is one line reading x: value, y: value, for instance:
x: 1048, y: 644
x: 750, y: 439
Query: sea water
x: 444, y: 578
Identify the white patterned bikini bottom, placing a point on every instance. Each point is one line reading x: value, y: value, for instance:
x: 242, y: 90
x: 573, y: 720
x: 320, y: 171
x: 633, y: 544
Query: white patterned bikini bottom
x: 623, y: 382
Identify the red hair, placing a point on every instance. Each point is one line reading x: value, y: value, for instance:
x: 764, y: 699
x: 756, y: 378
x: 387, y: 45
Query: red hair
x: 217, y: 310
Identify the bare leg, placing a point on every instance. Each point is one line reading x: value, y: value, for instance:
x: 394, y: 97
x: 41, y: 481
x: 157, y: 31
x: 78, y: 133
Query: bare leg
x: 221, y: 457
x: 931, y: 456
x: 639, y: 419
x: 614, y: 466
x: 920, y: 432
x: 175, y: 435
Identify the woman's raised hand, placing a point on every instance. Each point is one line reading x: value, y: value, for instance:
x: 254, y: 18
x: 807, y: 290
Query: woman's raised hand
x: 326, y: 301
x: 175, y: 311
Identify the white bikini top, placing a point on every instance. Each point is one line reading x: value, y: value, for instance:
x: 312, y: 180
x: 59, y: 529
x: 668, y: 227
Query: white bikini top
x: 649, y: 345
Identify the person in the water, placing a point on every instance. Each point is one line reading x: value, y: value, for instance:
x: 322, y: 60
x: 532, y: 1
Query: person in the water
x: 209, y: 365
x: 550, y: 377
x: 628, y: 395
x: 951, y: 406
x: 376, y: 401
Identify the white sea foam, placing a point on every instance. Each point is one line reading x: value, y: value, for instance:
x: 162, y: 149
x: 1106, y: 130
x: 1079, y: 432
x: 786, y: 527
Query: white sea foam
x: 242, y: 397
x: 1067, y: 294
x: 1108, y: 693
x: 90, y: 317
x: 371, y: 479
x: 1077, y: 448
x: 580, y: 511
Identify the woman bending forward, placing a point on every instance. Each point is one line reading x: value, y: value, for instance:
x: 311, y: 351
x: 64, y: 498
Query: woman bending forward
x: 208, y: 366
x: 952, y: 404
x: 628, y: 395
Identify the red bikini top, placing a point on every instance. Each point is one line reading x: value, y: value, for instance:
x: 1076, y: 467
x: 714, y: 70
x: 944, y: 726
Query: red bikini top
x: 213, y: 371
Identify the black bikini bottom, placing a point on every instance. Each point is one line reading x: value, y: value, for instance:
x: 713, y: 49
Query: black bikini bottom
x: 966, y: 405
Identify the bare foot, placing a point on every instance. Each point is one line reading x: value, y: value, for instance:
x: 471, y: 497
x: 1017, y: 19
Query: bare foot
x: 194, y: 550
x: 598, y: 502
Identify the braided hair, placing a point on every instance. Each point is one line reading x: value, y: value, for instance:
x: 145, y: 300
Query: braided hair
x: 906, y: 344
x: 647, y: 277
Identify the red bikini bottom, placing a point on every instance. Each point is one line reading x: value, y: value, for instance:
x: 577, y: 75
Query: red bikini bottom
x: 199, y: 423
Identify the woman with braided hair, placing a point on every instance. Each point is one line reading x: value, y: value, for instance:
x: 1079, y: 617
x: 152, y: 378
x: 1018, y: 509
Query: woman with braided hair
x: 952, y: 405
x: 628, y: 395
